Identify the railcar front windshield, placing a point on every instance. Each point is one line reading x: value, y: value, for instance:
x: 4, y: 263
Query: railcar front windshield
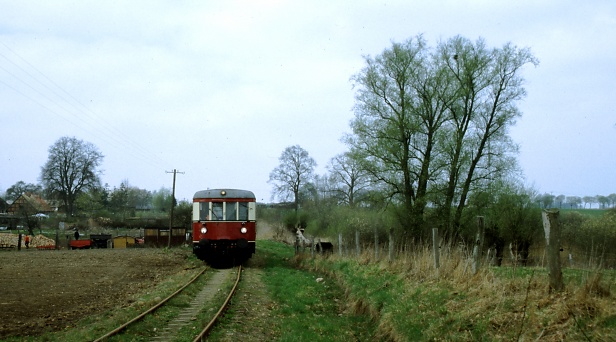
x: 224, y: 211
x: 231, y: 211
x: 217, y: 211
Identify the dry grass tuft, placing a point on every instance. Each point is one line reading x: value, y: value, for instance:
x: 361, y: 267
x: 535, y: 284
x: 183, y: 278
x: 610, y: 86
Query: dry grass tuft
x: 595, y: 286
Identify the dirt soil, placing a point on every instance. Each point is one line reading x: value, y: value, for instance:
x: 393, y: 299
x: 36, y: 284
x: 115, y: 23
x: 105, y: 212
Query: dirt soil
x: 45, y: 290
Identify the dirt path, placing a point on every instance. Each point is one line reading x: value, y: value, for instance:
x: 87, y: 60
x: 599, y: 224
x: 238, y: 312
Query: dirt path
x: 49, y: 290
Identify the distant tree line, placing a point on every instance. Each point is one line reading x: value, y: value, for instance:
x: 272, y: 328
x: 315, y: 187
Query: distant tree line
x: 575, y: 202
x: 122, y: 202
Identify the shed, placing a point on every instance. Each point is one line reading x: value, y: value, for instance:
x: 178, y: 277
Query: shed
x: 159, y: 237
x: 123, y: 241
x: 101, y: 240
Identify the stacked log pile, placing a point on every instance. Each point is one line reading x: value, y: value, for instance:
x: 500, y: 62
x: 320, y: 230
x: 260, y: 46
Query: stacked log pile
x: 36, y: 241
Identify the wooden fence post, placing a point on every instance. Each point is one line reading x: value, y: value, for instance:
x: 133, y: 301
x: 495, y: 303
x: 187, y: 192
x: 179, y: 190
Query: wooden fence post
x: 303, y: 244
x: 340, y: 244
x: 552, y: 245
x: 435, y: 247
x: 357, y: 248
x: 391, y: 244
x: 312, y: 247
x: 376, y: 244
x: 478, y: 245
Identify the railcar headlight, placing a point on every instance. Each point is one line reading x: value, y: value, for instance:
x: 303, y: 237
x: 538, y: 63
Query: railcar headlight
x: 203, y: 230
x: 244, y: 230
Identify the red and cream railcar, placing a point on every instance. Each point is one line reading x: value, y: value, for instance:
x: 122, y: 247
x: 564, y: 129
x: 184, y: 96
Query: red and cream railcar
x: 224, y: 224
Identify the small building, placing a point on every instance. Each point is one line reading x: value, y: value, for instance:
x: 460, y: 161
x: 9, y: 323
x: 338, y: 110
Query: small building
x: 159, y: 237
x: 101, y: 240
x: 124, y: 241
x: 29, y: 204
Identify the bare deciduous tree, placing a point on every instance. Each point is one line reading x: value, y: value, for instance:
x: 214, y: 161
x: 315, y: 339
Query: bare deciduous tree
x: 351, y: 180
x: 71, y: 168
x: 295, y: 170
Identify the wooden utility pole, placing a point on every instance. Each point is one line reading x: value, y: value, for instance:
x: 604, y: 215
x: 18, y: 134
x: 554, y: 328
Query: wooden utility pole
x: 172, y: 206
x: 552, y: 246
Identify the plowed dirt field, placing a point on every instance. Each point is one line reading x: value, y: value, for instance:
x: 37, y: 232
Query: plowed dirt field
x: 44, y: 290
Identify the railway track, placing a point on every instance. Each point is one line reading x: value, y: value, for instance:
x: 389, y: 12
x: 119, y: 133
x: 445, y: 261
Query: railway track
x: 188, y: 314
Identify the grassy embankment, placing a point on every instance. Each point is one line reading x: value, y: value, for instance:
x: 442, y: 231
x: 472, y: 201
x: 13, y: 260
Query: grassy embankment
x: 410, y: 301
x: 407, y: 300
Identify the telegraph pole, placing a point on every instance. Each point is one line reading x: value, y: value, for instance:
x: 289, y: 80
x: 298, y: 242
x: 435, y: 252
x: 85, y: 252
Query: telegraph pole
x: 172, y: 206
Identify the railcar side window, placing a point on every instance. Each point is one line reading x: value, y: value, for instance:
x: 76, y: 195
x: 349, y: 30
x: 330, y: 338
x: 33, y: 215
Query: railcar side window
x: 243, y: 211
x: 231, y: 211
x: 217, y: 211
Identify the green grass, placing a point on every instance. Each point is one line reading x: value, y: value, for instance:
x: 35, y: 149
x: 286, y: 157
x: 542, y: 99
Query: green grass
x: 383, y: 295
x: 406, y: 309
x: 587, y: 212
x: 311, y: 310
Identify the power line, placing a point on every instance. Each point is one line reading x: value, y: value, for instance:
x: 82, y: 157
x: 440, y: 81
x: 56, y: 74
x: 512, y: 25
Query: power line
x: 86, y: 119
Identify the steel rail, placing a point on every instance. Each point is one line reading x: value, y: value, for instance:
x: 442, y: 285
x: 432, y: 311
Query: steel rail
x: 210, y: 325
x: 150, y: 310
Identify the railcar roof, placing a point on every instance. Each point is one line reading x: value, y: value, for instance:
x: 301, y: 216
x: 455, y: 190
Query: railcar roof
x: 228, y: 193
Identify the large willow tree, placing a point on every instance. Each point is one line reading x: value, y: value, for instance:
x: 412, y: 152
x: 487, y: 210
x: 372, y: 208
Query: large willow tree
x: 431, y: 123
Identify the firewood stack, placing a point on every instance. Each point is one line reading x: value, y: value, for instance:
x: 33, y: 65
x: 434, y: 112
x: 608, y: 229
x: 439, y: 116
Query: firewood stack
x: 38, y: 240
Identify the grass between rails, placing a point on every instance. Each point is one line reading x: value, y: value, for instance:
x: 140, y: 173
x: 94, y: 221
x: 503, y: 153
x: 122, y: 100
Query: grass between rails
x: 153, y: 325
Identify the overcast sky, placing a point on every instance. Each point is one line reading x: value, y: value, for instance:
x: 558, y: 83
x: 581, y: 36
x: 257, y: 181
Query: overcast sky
x: 218, y: 89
